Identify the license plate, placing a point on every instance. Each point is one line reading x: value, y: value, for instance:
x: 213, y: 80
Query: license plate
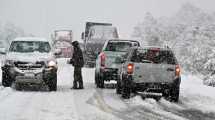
x: 29, y: 74
x: 154, y: 86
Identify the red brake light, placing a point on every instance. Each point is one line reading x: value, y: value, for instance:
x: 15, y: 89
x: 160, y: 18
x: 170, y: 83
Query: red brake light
x: 130, y: 68
x: 177, y: 71
x: 102, y: 56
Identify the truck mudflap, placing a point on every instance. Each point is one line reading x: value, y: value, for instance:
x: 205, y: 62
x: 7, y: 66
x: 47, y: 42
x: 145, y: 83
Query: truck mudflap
x: 156, y: 90
x: 144, y: 95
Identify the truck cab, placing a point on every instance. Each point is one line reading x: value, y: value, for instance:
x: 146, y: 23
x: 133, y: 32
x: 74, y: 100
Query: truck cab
x: 94, y: 38
x: 62, y: 40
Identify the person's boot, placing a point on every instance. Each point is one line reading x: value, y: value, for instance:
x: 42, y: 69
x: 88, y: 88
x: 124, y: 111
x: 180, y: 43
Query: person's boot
x: 74, y: 85
x: 81, y: 85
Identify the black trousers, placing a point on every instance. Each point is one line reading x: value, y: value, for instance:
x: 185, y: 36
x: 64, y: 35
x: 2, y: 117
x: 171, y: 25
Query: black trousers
x: 78, y: 81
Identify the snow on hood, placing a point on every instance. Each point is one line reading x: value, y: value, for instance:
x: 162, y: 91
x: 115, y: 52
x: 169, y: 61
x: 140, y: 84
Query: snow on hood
x: 29, y: 57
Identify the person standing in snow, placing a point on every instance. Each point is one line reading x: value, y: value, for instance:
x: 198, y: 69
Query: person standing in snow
x: 78, y: 62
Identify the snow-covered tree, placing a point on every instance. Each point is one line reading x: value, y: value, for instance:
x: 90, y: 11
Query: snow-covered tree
x: 9, y: 31
x: 190, y: 33
x: 148, y: 31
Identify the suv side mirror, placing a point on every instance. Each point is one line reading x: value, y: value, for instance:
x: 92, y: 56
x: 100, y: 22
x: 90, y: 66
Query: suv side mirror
x: 82, y: 35
x: 2, y: 51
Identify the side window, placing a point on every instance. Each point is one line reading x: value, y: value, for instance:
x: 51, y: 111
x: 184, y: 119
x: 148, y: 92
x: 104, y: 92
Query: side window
x: 133, y: 55
x: 134, y: 44
x: 92, y: 32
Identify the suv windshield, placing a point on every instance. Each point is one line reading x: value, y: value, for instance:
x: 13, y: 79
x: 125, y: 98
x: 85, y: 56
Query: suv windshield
x: 30, y: 46
x: 118, y: 46
x: 153, y: 56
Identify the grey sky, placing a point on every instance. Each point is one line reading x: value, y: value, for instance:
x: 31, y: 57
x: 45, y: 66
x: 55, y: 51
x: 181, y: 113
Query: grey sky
x: 41, y: 17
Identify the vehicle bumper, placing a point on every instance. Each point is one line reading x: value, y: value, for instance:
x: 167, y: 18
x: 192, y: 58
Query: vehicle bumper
x: 29, y: 76
x: 160, y: 87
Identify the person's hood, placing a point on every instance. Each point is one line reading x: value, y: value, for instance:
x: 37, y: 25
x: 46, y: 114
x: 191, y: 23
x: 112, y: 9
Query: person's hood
x: 75, y: 44
x: 29, y: 57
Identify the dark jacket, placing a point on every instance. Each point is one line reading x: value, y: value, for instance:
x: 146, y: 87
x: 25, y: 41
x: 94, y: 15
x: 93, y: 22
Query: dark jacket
x: 77, y: 58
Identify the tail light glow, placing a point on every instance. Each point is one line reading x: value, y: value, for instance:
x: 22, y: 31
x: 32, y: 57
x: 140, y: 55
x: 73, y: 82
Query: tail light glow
x: 130, y: 68
x: 102, y: 56
x: 177, y: 71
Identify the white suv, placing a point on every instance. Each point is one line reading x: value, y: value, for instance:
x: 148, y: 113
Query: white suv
x: 30, y: 61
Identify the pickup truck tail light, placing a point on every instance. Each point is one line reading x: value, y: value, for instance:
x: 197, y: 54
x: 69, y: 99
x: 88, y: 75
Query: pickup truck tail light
x: 130, y: 68
x: 177, y: 71
x: 102, y: 57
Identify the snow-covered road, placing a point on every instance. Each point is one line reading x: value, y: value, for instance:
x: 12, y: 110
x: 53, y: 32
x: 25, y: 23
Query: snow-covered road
x: 197, y: 102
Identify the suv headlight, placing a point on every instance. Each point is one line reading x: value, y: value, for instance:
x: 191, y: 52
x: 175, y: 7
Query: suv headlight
x: 52, y: 64
x: 9, y: 62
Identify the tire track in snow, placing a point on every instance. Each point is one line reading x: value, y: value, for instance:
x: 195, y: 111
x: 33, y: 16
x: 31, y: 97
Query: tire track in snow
x: 130, y: 113
x: 182, y: 110
x: 135, y: 110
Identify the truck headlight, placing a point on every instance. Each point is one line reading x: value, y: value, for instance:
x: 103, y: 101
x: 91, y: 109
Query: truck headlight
x: 9, y: 62
x: 52, y: 64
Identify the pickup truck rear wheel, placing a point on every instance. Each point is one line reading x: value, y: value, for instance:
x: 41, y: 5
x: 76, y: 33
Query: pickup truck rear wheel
x: 174, y: 95
x: 126, y: 90
x: 118, y: 87
x: 101, y: 81
x: 96, y: 79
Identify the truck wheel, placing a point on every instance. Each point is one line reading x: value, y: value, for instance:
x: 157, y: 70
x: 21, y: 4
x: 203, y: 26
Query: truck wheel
x: 96, y: 79
x: 126, y: 90
x: 53, y: 84
x: 118, y: 87
x: 6, y: 81
x: 101, y: 81
x: 18, y: 86
x: 174, y: 95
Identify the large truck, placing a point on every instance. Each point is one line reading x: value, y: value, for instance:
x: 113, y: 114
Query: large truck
x: 62, y: 40
x: 94, y: 38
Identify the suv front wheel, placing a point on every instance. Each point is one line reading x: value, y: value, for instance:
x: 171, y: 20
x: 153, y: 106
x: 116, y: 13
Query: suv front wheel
x: 6, y: 81
x: 53, y: 84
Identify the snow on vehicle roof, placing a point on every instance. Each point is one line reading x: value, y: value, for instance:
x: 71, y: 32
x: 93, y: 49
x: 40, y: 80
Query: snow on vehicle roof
x: 155, y: 47
x: 122, y: 40
x: 31, y: 39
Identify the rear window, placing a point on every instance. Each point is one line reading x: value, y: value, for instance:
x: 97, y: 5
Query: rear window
x: 118, y: 46
x: 153, y: 56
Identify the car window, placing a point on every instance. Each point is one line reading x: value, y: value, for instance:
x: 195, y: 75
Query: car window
x: 30, y: 46
x: 118, y: 46
x: 154, y: 56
